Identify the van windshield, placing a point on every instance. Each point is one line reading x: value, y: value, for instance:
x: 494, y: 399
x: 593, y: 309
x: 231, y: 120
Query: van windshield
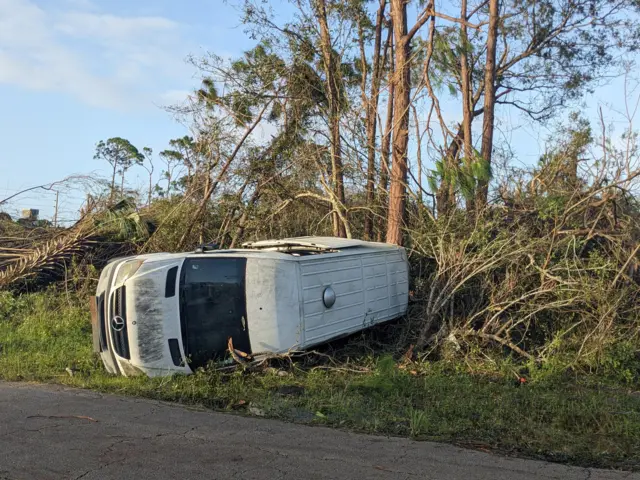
x: 213, y: 308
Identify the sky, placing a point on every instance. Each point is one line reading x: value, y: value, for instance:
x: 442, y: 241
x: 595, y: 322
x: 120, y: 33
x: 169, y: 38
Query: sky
x: 73, y: 72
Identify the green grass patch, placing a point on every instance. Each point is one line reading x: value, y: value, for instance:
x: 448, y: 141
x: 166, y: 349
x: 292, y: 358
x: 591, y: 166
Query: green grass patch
x: 586, y: 421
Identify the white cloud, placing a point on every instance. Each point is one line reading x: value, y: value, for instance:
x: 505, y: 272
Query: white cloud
x: 102, y: 59
x: 111, y: 27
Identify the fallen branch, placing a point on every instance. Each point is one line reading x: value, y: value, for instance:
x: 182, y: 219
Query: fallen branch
x: 502, y: 341
x: 80, y: 417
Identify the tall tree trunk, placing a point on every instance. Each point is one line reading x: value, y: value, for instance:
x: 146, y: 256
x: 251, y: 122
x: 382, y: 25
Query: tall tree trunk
x: 224, y: 227
x: 445, y: 200
x: 150, y: 187
x: 402, y: 77
x: 338, y: 180
x: 488, y: 119
x: 465, y: 83
x: 445, y: 193
x: 113, y: 182
x: 333, y: 94
x: 401, y: 103
x: 189, y: 181
x: 201, y: 212
x: 370, y: 120
x: 445, y: 196
x: 418, y: 153
x: 385, y: 153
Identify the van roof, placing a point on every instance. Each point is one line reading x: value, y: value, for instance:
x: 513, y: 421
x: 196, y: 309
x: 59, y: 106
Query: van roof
x: 297, y: 248
x: 313, y: 243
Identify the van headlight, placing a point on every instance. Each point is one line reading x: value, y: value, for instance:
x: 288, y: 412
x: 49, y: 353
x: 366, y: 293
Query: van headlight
x: 127, y: 270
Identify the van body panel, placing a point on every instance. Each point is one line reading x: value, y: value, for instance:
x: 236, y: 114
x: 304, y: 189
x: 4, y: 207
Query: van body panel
x: 273, y: 311
x: 344, y: 276
x: 370, y: 288
x: 153, y: 319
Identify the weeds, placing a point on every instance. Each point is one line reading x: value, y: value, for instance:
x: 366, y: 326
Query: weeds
x: 418, y: 424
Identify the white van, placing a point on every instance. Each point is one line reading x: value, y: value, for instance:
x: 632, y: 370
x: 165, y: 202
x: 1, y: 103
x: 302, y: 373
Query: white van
x: 170, y: 313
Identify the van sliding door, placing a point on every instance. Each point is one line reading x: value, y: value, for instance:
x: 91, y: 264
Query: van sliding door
x: 213, y: 308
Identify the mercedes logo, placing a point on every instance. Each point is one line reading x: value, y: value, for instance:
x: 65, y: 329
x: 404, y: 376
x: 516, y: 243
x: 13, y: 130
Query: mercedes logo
x: 117, y: 323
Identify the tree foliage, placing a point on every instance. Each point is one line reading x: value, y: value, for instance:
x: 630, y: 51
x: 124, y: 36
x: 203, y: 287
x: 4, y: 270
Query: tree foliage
x: 121, y: 155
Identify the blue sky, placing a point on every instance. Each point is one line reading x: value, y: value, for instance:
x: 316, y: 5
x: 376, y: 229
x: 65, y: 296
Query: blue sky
x: 73, y: 72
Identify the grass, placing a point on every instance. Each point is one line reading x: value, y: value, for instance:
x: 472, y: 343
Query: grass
x: 588, y: 421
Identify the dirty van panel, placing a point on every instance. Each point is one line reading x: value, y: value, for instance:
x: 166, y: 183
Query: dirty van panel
x: 149, y: 320
x: 213, y: 308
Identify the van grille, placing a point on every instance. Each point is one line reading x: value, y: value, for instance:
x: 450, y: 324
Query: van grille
x: 119, y: 323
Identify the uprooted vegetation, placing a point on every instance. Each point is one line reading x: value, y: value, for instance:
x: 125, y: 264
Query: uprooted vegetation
x: 544, y: 290
x: 32, y: 258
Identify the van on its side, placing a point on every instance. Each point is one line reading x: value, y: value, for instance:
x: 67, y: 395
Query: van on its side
x: 164, y: 313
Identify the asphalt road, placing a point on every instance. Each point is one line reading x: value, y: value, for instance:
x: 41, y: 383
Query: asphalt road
x: 52, y: 432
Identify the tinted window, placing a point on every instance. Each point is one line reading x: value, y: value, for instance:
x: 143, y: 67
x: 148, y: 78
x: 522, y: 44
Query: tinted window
x: 213, y: 307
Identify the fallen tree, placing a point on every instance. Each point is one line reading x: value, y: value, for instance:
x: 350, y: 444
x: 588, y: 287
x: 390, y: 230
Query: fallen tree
x: 31, y: 258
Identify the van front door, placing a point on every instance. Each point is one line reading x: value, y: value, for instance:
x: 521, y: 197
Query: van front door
x: 213, y: 308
